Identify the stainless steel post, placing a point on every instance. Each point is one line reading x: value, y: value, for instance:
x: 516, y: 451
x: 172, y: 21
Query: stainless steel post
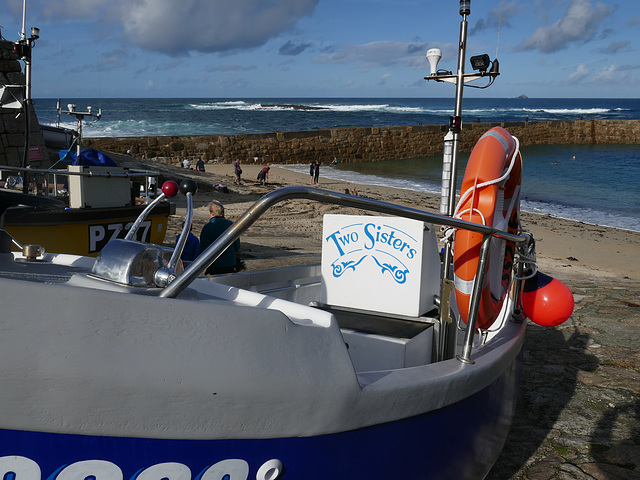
x: 476, y: 295
x: 448, y: 328
x: 177, y: 251
x: 134, y: 228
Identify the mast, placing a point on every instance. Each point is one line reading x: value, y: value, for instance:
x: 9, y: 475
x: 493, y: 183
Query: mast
x: 23, y: 49
x: 447, y: 327
x: 23, y: 32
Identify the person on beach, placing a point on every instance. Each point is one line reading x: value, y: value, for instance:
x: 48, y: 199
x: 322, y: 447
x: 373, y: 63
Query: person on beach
x: 237, y: 171
x: 335, y: 160
x: 191, y: 247
x: 227, y: 262
x: 186, y: 163
x: 316, y: 172
x: 200, y: 165
x: 263, y: 175
x: 311, y: 170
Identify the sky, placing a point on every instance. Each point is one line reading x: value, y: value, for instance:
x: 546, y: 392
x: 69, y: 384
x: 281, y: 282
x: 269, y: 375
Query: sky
x: 325, y: 48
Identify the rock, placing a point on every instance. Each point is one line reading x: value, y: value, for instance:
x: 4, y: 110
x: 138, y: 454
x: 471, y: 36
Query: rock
x: 624, y: 456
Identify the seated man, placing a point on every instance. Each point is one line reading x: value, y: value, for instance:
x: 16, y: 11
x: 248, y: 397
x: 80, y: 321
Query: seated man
x: 227, y: 262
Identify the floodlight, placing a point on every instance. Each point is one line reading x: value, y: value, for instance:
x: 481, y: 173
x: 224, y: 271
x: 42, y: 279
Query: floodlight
x: 480, y: 62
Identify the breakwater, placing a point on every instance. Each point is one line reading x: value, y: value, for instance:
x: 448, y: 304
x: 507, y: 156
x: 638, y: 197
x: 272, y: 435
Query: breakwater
x: 360, y: 144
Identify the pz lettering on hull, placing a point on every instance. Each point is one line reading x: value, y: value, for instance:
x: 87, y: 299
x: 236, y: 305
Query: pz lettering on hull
x: 102, y: 233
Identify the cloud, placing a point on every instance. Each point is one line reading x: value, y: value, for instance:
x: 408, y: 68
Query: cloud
x: 611, y: 74
x: 497, y: 17
x: 291, y: 48
x: 114, y: 58
x: 633, y: 21
x: 169, y: 66
x: 231, y: 68
x: 579, y: 25
x: 581, y: 73
x: 383, y: 53
x: 383, y: 80
x: 175, y: 27
x: 615, y: 47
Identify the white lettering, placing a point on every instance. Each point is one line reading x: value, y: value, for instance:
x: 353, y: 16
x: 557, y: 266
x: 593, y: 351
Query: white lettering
x: 270, y: 470
x: 14, y: 467
x: 169, y: 470
x: 22, y: 468
x: 145, y: 227
x: 116, y: 228
x: 98, y: 469
x: 233, y: 469
x: 96, y: 234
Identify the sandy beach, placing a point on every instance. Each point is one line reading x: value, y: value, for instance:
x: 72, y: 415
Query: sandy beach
x: 566, y: 249
x: 579, y: 414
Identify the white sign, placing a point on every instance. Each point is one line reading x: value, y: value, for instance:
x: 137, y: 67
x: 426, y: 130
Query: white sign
x: 383, y: 264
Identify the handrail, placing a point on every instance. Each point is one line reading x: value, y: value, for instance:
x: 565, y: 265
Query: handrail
x: 128, y: 174
x: 248, y: 218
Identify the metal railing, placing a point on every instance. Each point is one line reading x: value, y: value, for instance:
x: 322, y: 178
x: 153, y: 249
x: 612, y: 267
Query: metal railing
x: 213, y: 252
x: 51, y: 177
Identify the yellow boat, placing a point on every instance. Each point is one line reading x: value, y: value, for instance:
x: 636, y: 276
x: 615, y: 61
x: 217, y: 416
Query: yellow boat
x: 98, y: 204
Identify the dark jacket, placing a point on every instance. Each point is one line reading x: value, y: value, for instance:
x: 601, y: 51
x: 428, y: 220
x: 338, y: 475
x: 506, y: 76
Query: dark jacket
x: 210, y: 233
x: 191, y: 248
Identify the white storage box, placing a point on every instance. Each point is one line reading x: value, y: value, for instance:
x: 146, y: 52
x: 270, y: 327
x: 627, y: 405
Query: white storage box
x: 97, y: 192
x: 382, y: 264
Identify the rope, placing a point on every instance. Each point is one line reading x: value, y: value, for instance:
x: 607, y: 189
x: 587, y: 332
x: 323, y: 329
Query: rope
x: 499, y: 26
x: 448, y: 232
x: 99, y: 84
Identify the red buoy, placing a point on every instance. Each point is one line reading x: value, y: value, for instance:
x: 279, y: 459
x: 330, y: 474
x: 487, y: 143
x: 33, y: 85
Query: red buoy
x: 170, y: 188
x: 546, y: 300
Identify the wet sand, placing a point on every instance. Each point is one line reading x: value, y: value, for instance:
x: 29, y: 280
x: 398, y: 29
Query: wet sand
x: 579, y: 412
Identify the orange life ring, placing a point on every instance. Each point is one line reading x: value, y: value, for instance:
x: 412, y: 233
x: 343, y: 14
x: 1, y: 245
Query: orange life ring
x: 486, y: 202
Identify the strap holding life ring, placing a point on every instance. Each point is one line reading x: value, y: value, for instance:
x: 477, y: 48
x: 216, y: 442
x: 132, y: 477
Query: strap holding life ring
x: 490, y: 196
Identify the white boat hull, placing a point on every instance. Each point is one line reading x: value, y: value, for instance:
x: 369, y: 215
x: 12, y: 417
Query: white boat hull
x: 222, y: 374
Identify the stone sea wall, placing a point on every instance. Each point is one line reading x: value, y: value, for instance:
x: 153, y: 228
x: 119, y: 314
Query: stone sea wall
x: 361, y: 144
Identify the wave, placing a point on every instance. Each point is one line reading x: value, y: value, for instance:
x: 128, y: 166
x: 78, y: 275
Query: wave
x: 571, y: 111
x: 399, y: 109
x: 312, y: 106
x: 191, y: 116
x: 583, y: 214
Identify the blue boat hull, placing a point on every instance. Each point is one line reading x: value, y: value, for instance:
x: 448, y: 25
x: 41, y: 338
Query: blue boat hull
x: 459, y: 441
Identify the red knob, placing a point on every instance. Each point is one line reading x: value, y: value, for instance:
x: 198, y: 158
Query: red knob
x: 170, y: 188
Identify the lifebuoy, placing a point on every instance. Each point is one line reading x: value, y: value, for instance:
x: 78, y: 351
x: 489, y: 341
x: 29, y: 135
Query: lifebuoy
x: 490, y: 195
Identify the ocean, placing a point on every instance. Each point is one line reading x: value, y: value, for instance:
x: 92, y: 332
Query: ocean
x: 600, y: 186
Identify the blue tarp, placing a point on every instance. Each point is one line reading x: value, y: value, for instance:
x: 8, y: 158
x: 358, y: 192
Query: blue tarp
x: 89, y: 157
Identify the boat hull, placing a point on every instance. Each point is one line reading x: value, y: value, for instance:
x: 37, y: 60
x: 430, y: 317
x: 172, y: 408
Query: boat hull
x: 458, y: 441
x: 85, y: 231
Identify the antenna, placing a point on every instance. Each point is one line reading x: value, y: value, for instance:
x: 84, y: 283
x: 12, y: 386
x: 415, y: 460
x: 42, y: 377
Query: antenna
x: 480, y: 63
x: 499, y: 25
x: 23, y: 33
